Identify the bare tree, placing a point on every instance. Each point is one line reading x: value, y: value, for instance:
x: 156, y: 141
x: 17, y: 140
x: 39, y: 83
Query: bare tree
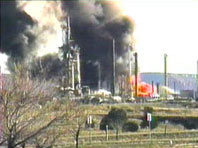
x: 77, y: 122
x: 52, y: 136
x: 27, y: 109
x: 1, y: 128
x: 47, y: 138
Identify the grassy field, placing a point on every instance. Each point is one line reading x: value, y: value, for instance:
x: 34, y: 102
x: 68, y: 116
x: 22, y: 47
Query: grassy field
x: 175, y: 135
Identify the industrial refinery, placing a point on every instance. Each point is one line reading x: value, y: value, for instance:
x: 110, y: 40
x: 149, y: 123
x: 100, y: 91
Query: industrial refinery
x: 129, y: 85
x: 99, y: 74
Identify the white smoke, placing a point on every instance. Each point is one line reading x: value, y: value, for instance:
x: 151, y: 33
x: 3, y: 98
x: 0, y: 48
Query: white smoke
x: 3, y: 61
x: 47, y: 29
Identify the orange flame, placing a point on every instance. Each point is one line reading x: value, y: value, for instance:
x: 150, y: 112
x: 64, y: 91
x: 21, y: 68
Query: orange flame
x: 144, y: 89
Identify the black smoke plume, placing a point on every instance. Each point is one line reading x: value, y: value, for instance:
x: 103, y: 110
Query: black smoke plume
x: 94, y: 25
x: 48, y: 67
x: 16, y: 40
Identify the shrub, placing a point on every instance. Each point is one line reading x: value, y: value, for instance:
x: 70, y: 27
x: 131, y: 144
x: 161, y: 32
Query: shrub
x: 187, y: 122
x: 148, y: 109
x: 85, y: 100
x: 105, y: 121
x: 115, y: 119
x: 130, y: 126
x: 95, y: 100
x: 117, y: 114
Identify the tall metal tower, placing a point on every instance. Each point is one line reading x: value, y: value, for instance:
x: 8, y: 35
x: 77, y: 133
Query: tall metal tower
x: 197, y: 80
x: 130, y: 62
x: 165, y: 73
x: 165, y: 70
x: 113, y: 69
x: 136, y: 74
x: 71, y: 57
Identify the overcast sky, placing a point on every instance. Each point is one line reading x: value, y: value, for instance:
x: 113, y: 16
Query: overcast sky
x: 165, y: 26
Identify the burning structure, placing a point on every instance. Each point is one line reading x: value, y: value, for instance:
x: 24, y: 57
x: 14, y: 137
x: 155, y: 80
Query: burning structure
x: 71, y: 57
x: 94, y: 30
x: 38, y: 33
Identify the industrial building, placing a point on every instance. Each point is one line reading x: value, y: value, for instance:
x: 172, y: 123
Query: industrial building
x: 183, y: 84
x: 71, y: 57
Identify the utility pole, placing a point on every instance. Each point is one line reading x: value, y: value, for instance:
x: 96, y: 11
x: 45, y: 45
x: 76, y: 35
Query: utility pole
x: 113, y: 69
x: 136, y: 74
x: 107, y: 129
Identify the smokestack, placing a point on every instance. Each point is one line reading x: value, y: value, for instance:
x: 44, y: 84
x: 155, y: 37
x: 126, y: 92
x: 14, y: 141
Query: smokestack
x: 130, y: 71
x: 165, y: 73
x: 152, y: 83
x: 197, y: 69
x: 113, y: 69
x: 72, y: 76
x: 165, y: 70
x: 68, y: 35
x: 130, y: 60
x: 99, y: 75
x: 78, y: 68
x: 136, y: 74
x: 197, y: 79
x: 174, y: 86
x: 158, y: 88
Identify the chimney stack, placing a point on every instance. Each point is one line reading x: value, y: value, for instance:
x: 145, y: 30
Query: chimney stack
x: 165, y: 70
x: 165, y: 73
x: 113, y: 69
x: 197, y: 80
x: 136, y: 74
